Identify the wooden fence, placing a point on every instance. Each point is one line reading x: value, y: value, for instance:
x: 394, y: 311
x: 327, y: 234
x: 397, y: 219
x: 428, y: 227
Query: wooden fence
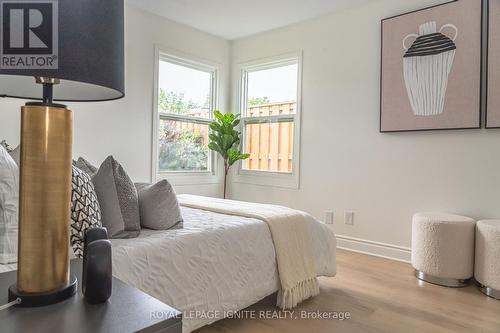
x: 270, y: 145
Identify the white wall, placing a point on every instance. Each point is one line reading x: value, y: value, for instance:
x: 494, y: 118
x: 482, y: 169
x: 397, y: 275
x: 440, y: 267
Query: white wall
x: 123, y: 128
x: 345, y: 163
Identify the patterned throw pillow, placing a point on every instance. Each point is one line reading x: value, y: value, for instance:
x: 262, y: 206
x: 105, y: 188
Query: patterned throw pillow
x: 85, y: 210
x: 6, y: 146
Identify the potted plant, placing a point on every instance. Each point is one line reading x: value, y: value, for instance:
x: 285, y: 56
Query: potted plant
x: 225, y: 140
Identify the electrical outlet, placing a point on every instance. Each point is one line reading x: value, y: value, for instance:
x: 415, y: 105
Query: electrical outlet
x: 349, y: 218
x: 329, y: 217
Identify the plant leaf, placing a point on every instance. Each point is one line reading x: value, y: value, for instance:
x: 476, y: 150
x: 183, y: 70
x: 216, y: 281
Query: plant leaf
x: 224, y: 139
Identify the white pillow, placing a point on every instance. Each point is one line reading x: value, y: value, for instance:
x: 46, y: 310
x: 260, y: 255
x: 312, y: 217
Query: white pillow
x: 9, y: 201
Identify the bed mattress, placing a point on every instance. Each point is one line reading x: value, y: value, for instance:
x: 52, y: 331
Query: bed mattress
x: 215, y: 265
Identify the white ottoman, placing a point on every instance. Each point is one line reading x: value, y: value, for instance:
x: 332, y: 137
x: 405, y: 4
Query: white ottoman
x: 487, y: 268
x: 442, y: 249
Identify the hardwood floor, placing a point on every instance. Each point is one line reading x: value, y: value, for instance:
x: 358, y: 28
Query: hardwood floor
x: 381, y: 296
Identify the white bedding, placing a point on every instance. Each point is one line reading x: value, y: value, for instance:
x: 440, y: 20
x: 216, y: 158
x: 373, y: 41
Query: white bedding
x: 216, y: 264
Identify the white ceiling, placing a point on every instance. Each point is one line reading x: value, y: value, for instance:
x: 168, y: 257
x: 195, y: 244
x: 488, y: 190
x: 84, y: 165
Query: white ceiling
x: 232, y: 19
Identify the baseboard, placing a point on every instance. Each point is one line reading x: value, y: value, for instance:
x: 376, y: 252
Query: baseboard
x: 388, y: 251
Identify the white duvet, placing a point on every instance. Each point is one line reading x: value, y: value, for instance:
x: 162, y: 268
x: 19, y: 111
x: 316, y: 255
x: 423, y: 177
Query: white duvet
x: 215, y: 265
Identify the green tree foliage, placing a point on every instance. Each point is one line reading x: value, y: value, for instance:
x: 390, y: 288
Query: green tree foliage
x: 258, y: 101
x: 175, y: 103
x: 181, y: 149
x: 225, y: 140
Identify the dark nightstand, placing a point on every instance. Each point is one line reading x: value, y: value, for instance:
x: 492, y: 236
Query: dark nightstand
x: 128, y: 310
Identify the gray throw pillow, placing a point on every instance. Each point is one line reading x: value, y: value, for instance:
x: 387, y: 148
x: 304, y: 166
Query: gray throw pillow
x: 118, y: 201
x: 16, y: 155
x: 158, y: 206
x: 85, y: 166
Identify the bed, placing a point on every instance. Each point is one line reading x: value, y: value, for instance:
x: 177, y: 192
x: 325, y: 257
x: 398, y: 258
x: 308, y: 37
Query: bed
x: 215, y: 265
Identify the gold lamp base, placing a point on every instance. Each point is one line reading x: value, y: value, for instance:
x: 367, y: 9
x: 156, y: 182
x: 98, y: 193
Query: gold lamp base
x: 42, y: 299
x: 44, y: 204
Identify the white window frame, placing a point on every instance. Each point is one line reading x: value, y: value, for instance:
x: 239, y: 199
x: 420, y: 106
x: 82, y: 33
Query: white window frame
x: 184, y: 177
x: 270, y: 178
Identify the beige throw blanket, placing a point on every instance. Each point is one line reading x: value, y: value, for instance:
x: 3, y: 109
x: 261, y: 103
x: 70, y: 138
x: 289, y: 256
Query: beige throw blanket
x: 291, y: 237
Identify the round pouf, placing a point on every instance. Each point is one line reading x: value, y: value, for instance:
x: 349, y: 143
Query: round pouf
x: 487, y: 267
x: 443, y: 248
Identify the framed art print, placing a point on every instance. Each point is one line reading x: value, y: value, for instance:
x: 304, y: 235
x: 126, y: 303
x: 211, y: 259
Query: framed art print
x: 431, y: 68
x: 493, y: 101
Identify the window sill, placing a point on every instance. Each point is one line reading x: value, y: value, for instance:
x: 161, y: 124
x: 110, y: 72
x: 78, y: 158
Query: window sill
x: 264, y: 178
x: 189, y: 178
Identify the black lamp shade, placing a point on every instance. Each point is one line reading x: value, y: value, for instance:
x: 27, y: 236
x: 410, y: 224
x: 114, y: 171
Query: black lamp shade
x: 90, y: 51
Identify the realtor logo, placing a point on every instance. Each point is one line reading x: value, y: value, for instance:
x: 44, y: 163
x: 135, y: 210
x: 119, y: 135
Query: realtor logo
x: 29, y: 34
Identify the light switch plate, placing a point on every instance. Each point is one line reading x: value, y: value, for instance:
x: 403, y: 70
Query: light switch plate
x: 349, y: 217
x: 329, y: 217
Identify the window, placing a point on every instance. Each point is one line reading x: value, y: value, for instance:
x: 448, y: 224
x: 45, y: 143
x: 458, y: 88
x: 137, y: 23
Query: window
x: 270, y: 109
x: 185, y: 97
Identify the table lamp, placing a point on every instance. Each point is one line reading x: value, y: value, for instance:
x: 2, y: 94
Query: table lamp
x: 63, y: 51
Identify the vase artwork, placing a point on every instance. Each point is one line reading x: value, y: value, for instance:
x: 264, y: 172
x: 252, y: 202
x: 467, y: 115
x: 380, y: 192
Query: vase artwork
x: 427, y: 64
